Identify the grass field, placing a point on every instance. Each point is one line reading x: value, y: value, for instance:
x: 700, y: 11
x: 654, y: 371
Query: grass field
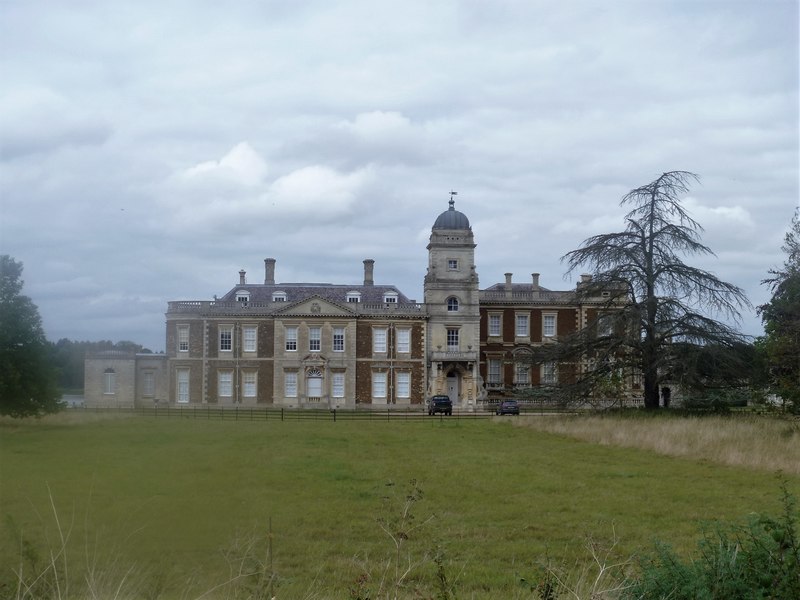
x: 169, y: 498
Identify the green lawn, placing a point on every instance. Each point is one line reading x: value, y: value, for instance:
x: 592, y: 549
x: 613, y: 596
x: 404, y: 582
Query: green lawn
x: 171, y: 495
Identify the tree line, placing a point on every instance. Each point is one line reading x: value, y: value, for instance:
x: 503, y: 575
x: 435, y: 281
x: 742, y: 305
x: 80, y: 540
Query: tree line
x: 663, y: 319
x: 67, y: 357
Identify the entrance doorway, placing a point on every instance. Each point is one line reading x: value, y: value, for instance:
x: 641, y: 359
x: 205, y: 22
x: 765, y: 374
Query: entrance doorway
x: 453, y: 386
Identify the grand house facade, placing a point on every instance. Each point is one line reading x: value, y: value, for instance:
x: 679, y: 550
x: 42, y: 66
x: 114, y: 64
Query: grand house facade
x: 349, y: 346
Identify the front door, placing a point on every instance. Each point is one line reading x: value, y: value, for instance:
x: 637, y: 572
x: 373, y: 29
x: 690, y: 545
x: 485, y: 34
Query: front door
x: 452, y: 386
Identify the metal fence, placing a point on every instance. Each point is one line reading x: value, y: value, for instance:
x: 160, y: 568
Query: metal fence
x: 282, y: 414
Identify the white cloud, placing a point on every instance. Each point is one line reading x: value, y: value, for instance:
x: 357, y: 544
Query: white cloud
x: 317, y: 190
x: 242, y: 164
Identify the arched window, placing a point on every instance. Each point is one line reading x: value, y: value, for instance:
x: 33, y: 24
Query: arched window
x: 313, y: 384
x: 452, y: 304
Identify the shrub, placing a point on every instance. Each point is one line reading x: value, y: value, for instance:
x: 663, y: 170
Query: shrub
x: 758, y: 559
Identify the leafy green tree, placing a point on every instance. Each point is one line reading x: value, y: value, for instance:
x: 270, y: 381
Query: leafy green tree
x: 656, y: 305
x: 781, y: 318
x: 27, y: 379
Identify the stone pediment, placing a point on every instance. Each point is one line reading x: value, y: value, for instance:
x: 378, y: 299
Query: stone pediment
x: 314, y: 306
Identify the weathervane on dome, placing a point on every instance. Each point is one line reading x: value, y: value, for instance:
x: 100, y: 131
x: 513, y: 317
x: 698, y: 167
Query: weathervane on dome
x: 452, y: 200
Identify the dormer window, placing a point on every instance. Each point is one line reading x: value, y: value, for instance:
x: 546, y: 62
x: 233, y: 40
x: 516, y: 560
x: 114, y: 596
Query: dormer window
x: 354, y: 297
x: 243, y: 296
x: 390, y: 297
x: 279, y: 296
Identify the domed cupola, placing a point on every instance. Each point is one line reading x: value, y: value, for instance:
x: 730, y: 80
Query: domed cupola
x: 452, y: 219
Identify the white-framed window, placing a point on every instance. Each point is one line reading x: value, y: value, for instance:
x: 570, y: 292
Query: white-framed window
x: 249, y: 339
x: 109, y: 382
x: 378, y: 384
x: 495, y: 325
x: 494, y: 371
x: 337, y: 385
x: 637, y: 379
x: 354, y: 297
x: 522, y: 374
x: 249, y: 384
x: 314, y: 384
x: 183, y: 338
x: 183, y: 385
x: 279, y: 296
x: 148, y: 384
x: 243, y: 296
x: 549, y: 373
x: 290, y: 384
x: 452, y: 304
x: 379, y: 339
x: 225, y: 384
x: 314, y: 339
x: 403, y: 341
x: 390, y: 297
x: 338, y: 339
x: 226, y: 338
x: 522, y: 329
x: 291, y: 339
x: 452, y: 264
x: 452, y: 339
x: 549, y: 325
x: 605, y: 325
x: 403, y: 384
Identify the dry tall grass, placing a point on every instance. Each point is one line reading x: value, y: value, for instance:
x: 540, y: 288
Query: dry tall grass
x: 742, y: 441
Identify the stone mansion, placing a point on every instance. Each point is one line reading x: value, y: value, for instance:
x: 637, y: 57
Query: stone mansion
x: 350, y: 345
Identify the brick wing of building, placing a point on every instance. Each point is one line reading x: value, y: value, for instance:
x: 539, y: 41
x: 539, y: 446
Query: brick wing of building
x: 348, y: 345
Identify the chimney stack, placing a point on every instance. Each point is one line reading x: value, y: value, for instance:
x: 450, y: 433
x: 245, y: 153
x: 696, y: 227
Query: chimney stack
x: 586, y: 278
x: 535, y: 280
x: 269, y: 271
x: 369, y: 265
x: 508, y: 282
x: 242, y: 273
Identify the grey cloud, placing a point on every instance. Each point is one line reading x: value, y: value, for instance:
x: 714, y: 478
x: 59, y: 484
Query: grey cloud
x: 540, y: 116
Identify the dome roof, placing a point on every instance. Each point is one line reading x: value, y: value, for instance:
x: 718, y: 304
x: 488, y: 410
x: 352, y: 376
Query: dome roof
x: 451, y: 219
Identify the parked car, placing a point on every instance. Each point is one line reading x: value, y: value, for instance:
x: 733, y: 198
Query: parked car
x: 440, y: 404
x: 507, y: 407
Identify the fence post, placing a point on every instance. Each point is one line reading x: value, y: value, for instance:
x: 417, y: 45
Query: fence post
x: 281, y: 413
x: 334, y: 415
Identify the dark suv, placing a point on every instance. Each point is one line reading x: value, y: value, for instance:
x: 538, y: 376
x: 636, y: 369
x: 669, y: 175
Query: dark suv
x: 507, y: 407
x: 440, y: 404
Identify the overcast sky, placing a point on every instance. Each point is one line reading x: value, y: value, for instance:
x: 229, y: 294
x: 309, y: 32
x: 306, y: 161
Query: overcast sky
x: 151, y: 150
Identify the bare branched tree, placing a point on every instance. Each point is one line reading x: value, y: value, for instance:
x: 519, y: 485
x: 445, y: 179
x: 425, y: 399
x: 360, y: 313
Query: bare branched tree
x: 657, y: 301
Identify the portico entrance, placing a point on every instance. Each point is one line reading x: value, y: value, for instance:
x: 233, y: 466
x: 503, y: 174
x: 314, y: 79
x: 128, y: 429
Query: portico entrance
x: 454, y: 386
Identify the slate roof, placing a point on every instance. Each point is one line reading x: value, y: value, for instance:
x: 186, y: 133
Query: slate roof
x: 370, y: 294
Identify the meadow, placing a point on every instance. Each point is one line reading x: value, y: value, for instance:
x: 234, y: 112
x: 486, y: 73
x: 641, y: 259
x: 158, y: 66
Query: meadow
x: 183, y: 508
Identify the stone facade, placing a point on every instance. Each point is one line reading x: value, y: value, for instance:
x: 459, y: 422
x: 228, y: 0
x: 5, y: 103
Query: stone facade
x: 346, y: 346
x: 116, y: 379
